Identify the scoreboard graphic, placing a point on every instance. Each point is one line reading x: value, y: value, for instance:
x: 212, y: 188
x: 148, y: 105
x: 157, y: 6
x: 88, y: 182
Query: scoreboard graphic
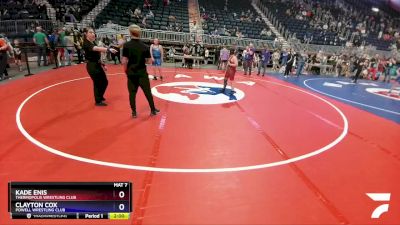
x: 70, y: 200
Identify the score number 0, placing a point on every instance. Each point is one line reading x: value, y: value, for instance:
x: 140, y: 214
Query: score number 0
x: 121, y: 206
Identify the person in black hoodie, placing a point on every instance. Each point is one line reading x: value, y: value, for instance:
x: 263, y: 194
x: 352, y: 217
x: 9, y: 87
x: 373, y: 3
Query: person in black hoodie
x: 289, y: 63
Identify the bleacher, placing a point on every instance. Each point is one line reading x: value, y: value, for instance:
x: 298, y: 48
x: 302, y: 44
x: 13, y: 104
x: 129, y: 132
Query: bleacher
x: 19, y: 18
x: 302, y: 28
x: 120, y: 12
x: 366, y: 6
x: 386, y: 13
x: 18, y: 9
x: 77, y: 8
x: 23, y: 29
x: 225, y: 18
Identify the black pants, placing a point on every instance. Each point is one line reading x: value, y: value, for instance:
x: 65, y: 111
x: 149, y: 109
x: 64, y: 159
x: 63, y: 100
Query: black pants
x: 357, y: 74
x: 116, y: 56
x: 142, y: 81
x: 41, y: 51
x: 79, y: 52
x: 189, y: 63
x: 99, y: 79
x: 288, y: 68
x: 55, y: 53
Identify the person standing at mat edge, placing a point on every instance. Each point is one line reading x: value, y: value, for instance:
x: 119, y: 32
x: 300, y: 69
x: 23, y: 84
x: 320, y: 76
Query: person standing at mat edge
x: 95, y: 66
x: 157, y: 55
x: 134, y: 56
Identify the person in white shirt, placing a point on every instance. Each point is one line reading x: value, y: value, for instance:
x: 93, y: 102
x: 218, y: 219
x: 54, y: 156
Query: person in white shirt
x: 206, y: 55
x: 244, y: 53
x: 70, y: 48
x: 275, y: 60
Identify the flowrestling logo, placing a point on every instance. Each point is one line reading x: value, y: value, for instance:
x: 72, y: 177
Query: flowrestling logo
x: 196, y: 93
x: 380, y: 197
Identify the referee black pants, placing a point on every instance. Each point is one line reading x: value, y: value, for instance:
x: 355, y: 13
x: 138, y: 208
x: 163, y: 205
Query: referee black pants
x: 99, y: 79
x: 142, y: 81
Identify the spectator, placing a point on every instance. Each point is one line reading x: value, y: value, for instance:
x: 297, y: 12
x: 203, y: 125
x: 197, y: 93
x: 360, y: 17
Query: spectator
x: 301, y: 61
x: 41, y: 41
x: 265, y: 57
x: 149, y: 15
x: 69, y: 17
x: 144, y: 22
x: 171, y: 52
x: 289, y: 64
x: 115, y: 56
x: 147, y: 4
x: 17, y: 54
x: 284, y: 57
x: 172, y: 19
x: 70, y: 47
x: 60, y: 47
x: 214, y: 17
x: 206, y: 55
x: 185, y: 51
x: 78, y: 43
x: 165, y: 3
x: 269, y: 33
x: 137, y: 13
x: 275, y: 60
x: 248, y: 59
x: 223, y: 58
x: 263, y: 32
x: 42, y: 9
x: 53, y: 38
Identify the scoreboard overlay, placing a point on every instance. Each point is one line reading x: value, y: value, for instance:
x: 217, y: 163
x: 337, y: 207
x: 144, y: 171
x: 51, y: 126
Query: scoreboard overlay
x: 70, y: 200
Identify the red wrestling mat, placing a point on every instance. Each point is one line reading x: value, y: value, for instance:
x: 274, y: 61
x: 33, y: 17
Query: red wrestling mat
x: 273, y: 153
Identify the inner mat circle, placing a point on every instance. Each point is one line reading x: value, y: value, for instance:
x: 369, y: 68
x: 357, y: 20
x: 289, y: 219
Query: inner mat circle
x: 119, y: 126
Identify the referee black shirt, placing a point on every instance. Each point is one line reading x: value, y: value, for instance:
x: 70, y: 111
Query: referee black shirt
x: 90, y: 55
x: 137, y: 52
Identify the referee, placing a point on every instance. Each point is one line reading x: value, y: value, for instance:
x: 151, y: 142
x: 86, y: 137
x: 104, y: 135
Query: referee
x: 135, y: 55
x: 95, y: 67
